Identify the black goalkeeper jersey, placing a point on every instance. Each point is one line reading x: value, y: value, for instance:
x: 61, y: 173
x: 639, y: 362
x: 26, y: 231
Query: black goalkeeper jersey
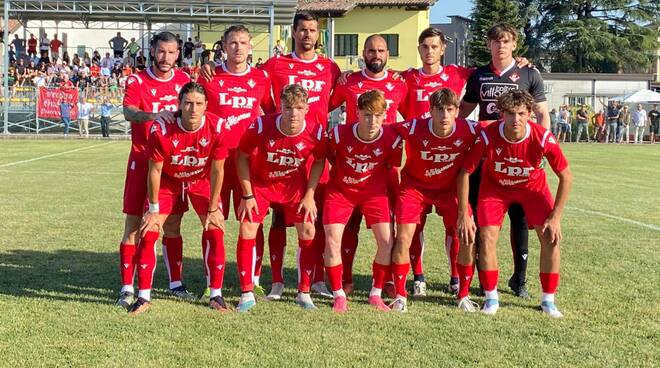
x: 486, y: 84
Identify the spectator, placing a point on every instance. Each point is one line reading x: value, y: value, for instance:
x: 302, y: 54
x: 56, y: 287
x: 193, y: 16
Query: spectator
x: 84, y: 110
x: 206, y: 55
x: 259, y: 63
x: 76, y: 60
x: 96, y: 58
x: 599, y: 126
x: 639, y: 118
x: 21, y: 72
x: 218, y: 54
x: 118, y: 44
x: 140, y: 61
x: 188, y: 48
x: 84, y: 84
x: 554, y: 120
x: 198, y: 50
x: 133, y: 49
x: 65, y: 58
x: 65, y: 112
x: 623, y: 124
x: 582, y: 117
x: 179, y: 41
x: 106, y: 110
x: 564, y: 123
x: 278, y: 49
x: 12, y: 55
x: 654, y: 118
x: 44, y: 46
x: 612, y: 121
x: 55, y: 45
x: 86, y: 59
x: 32, y: 46
x: 19, y: 46
x: 107, y: 62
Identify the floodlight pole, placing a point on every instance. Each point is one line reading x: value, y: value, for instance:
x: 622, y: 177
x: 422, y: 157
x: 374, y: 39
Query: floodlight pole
x: 5, y: 69
x: 271, y: 29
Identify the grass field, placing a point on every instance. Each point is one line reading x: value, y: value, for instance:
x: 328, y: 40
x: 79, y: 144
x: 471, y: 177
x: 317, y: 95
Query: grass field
x: 61, y: 225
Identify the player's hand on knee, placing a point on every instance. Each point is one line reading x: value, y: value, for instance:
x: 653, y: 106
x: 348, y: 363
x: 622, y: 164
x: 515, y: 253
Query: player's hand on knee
x: 246, y: 207
x: 466, y: 229
x: 215, y: 218
x: 308, y: 206
x: 150, y: 222
x: 552, y: 230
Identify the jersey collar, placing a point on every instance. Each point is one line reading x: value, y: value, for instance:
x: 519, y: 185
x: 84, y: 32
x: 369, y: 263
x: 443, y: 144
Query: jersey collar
x: 355, y: 133
x: 364, y: 74
x: 421, y: 72
x: 278, y: 124
x: 502, y: 72
x: 178, y: 122
x: 247, y: 70
x: 153, y: 76
x: 294, y: 56
x: 528, y: 131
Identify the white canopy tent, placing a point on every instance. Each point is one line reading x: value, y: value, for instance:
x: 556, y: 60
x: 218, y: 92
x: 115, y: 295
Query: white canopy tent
x: 641, y: 96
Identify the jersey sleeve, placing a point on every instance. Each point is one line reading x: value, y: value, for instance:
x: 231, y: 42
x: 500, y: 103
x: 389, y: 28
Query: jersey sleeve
x: 553, y: 153
x: 249, y: 140
x: 397, y: 153
x: 132, y: 93
x: 155, y: 146
x: 337, y: 97
x: 336, y: 72
x: 476, y: 153
x: 220, y: 150
x: 267, y: 103
x: 472, y: 90
x: 320, y: 151
x: 403, y: 105
x: 536, y: 85
x: 331, y: 146
x: 403, y: 128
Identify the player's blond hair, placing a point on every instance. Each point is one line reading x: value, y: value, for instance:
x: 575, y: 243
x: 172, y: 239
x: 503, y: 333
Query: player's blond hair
x: 443, y: 97
x: 372, y: 101
x: 293, y: 94
x: 515, y: 98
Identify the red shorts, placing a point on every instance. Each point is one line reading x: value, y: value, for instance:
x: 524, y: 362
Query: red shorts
x: 231, y: 187
x: 173, y: 196
x: 494, y: 202
x: 135, y: 186
x: 285, y: 196
x: 413, y: 202
x: 338, y: 207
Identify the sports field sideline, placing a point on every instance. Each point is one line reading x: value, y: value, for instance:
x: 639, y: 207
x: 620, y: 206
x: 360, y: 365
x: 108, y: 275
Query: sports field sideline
x: 60, y: 206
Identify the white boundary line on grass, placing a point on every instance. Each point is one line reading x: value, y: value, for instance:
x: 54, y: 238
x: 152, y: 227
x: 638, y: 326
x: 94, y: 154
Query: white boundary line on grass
x: 54, y: 155
x: 622, y: 219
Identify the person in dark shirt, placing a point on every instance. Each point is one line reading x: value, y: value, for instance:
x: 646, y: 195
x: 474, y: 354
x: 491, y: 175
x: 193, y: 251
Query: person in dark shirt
x: 654, y: 118
x: 188, y: 48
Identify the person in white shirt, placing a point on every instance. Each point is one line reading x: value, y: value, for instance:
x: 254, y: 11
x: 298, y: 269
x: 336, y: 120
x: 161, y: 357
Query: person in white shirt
x: 84, y: 110
x: 639, y: 118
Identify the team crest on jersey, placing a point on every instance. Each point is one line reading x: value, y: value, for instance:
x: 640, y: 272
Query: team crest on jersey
x: 378, y: 152
x: 425, y: 143
x: 177, y: 88
x: 291, y: 65
x: 203, y: 142
x: 444, y: 77
x: 498, y: 151
x: 221, y: 82
x: 514, y: 77
x: 271, y: 142
x: 513, y: 160
x: 458, y: 142
x: 349, y: 148
x: 153, y: 91
x: 389, y: 86
x: 251, y: 83
x: 300, y: 146
x: 175, y: 142
x: 319, y: 67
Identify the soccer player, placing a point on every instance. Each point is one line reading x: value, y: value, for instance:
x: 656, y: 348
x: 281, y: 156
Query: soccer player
x: 394, y: 90
x: 483, y: 88
x: 150, y: 94
x: 238, y: 94
x: 362, y: 155
x: 186, y: 160
x: 513, y: 150
x: 436, y: 148
x: 272, y: 164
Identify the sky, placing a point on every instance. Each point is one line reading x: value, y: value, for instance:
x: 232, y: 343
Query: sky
x: 443, y: 8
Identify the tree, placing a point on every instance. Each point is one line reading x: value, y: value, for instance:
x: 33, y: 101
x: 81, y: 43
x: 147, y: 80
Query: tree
x: 487, y: 13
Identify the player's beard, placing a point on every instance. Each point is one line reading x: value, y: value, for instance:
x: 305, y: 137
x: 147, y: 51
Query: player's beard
x: 307, y: 45
x: 375, y: 67
x: 161, y: 64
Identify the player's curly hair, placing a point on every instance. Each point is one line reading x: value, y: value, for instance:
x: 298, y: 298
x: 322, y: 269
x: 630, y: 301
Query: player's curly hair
x: 515, y: 98
x: 372, y: 101
x: 191, y: 87
x: 444, y: 97
x: 293, y: 94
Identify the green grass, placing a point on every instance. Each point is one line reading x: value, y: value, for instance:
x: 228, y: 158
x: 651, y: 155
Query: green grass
x: 61, y: 220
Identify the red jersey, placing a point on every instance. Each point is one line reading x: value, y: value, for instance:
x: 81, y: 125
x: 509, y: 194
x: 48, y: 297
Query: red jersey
x: 275, y: 156
x: 357, y: 83
x: 318, y: 76
x: 55, y: 45
x: 360, y: 167
x: 433, y: 162
x: 238, y: 99
x: 421, y: 86
x: 187, y: 155
x: 148, y: 93
x: 32, y: 44
x: 515, y: 164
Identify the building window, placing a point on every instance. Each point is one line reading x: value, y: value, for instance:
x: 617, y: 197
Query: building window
x: 346, y: 44
x: 392, y: 43
x: 579, y: 100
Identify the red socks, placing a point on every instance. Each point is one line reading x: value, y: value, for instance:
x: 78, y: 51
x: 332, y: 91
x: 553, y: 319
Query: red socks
x: 245, y: 254
x: 349, y: 243
x: 260, y: 251
x: 465, y: 274
x: 319, y: 247
x: 215, y: 260
x: 277, y: 246
x: 306, y: 261
x: 417, y: 251
x: 399, y: 273
x: 453, y: 254
x: 489, y: 279
x: 127, y: 263
x: 146, y: 259
x: 549, y: 282
x: 173, y: 257
x: 334, y: 276
x: 379, y: 272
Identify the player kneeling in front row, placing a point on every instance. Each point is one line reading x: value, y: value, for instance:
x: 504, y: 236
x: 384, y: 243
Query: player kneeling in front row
x: 513, y: 150
x: 361, y: 155
x: 436, y: 148
x: 186, y: 161
x: 271, y: 162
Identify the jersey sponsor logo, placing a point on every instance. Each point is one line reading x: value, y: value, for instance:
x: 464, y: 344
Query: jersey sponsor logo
x: 251, y: 83
x: 492, y: 91
x: 185, y: 160
x: 308, y: 84
x: 320, y: 67
x: 236, y: 102
x: 307, y: 73
x: 513, y: 160
x: 190, y: 149
x: 422, y: 95
x: 362, y: 157
x: 237, y: 90
x: 507, y: 182
x: 501, y: 167
x: 484, y: 78
x: 438, y: 157
x: 442, y: 148
x: 491, y: 108
x: 204, y: 142
x: 235, y: 119
x: 352, y: 181
x: 438, y: 170
x: 361, y: 167
x: 283, y: 160
x: 433, y: 84
x: 168, y: 98
x: 280, y: 174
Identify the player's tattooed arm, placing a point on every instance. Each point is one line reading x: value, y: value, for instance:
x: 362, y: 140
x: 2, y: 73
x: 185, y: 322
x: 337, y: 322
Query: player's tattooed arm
x: 135, y: 115
x: 465, y: 226
x: 552, y: 226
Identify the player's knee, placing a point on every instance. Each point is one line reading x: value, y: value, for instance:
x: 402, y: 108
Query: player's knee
x: 307, y: 231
